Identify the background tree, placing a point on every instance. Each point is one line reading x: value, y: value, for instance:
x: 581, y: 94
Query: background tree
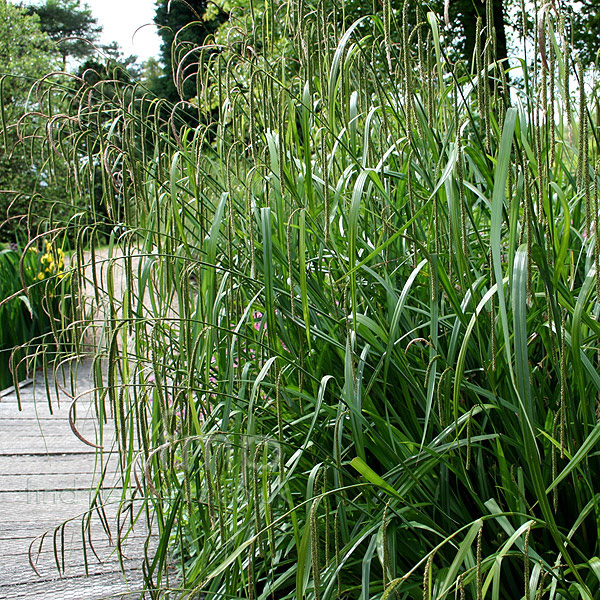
x: 586, y: 30
x: 583, y: 22
x: 234, y: 26
x: 110, y: 62
x: 26, y: 169
x: 463, y: 16
x: 183, y: 25
x: 150, y: 72
x: 70, y: 25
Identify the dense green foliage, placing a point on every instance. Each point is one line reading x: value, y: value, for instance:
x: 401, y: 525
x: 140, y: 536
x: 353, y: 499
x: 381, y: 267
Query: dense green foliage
x: 357, y: 355
x: 34, y: 176
x: 36, y: 299
x: 25, y: 53
x: 585, y: 19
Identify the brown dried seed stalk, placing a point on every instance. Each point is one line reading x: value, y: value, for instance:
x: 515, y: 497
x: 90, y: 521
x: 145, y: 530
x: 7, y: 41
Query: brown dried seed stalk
x: 540, y: 590
x: 439, y: 396
x: 563, y: 384
x: 528, y: 228
x: 387, y: 21
x: 209, y: 484
x: 540, y: 171
x: 461, y: 196
x: 428, y: 371
x: 427, y: 579
x: 566, y: 80
x: 437, y: 229
x: 596, y: 234
x: 220, y: 503
x: 586, y: 178
x: 250, y: 218
x: 487, y: 101
x: 493, y: 320
x: 479, y: 66
x: 288, y: 240
x: 407, y: 70
x: 327, y: 507
x: 554, y: 462
x: 479, y: 577
x: 251, y: 586
x: 551, y: 117
x: 526, y: 566
x: 582, y: 121
x: 411, y: 205
x: 256, y: 498
x: 314, y: 550
x: 386, y: 551
x: 279, y: 407
x: 325, y: 169
x: 336, y: 529
x: 429, y: 79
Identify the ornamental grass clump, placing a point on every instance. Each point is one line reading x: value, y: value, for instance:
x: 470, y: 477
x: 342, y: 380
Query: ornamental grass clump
x: 357, y: 352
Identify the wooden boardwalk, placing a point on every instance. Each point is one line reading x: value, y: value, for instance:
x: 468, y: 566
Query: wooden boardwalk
x: 46, y: 478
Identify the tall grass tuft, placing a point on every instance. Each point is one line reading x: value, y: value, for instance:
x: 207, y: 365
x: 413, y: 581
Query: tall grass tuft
x: 356, y: 355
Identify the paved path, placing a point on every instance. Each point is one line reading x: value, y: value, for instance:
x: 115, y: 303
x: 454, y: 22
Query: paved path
x: 46, y: 477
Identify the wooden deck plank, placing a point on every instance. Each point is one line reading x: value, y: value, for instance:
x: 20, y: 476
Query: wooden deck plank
x: 46, y: 478
x: 46, y: 509
x: 32, y: 445
x: 56, y: 464
x: 14, y: 545
x: 54, y: 481
x: 50, y: 429
x: 102, y: 586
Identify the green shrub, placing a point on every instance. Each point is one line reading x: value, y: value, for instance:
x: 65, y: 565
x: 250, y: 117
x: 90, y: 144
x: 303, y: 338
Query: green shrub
x: 34, y: 298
